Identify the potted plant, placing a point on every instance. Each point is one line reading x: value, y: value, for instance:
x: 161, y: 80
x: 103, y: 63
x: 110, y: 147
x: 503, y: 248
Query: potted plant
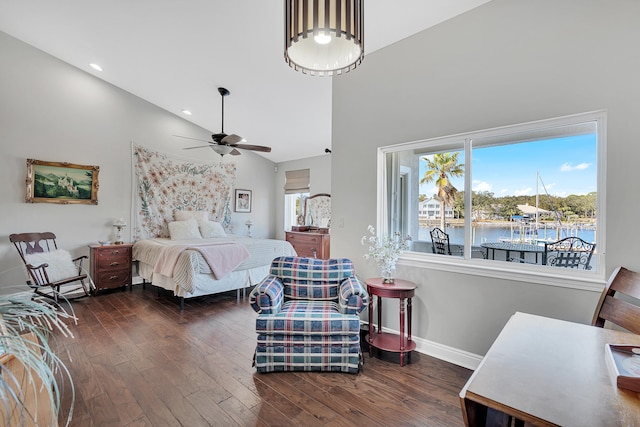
x: 31, y: 374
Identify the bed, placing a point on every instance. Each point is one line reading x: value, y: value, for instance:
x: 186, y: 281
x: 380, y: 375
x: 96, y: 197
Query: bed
x: 192, y: 276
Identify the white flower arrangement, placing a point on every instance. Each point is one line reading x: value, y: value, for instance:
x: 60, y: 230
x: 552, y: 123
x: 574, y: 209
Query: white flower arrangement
x: 385, y: 250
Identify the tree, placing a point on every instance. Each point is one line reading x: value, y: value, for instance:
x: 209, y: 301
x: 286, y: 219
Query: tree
x: 440, y: 169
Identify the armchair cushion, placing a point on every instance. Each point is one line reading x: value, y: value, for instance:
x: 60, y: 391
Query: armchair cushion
x: 311, y: 278
x: 60, y: 265
x: 321, y: 318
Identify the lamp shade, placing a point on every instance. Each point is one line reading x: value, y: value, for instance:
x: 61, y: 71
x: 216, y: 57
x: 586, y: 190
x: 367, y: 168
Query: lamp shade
x: 324, y: 37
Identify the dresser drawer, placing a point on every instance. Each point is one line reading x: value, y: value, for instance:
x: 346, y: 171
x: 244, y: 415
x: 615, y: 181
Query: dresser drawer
x: 313, y: 245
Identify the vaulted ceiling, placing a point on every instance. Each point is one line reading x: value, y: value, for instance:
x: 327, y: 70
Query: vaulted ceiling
x: 176, y: 53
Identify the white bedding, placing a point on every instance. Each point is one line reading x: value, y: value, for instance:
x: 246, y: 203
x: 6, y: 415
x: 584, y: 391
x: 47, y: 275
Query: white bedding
x: 192, y: 275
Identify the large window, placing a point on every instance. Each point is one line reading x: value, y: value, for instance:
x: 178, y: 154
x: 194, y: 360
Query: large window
x: 502, y: 195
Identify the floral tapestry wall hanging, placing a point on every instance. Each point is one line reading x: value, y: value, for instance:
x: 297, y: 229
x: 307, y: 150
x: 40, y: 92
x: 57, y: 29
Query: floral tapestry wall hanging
x: 165, y: 185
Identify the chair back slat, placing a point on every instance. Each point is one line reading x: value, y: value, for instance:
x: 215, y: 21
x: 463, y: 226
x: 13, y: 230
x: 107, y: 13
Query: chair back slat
x: 622, y: 313
x: 622, y: 310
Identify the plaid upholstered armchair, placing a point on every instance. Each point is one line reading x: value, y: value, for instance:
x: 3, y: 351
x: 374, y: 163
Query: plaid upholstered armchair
x: 308, y: 316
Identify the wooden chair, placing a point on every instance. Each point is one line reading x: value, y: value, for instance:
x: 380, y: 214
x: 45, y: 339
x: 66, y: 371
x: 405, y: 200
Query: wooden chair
x: 624, y: 312
x: 570, y: 252
x: 51, y: 271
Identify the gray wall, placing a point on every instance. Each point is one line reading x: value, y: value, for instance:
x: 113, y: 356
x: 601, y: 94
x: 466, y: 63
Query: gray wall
x: 506, y: 62
x: 52, y: 111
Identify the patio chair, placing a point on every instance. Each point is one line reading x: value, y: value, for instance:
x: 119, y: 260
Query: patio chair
x: 440, y: 243
x: 624, y: 312
x: 51, y: 272
x: 570, y: 252
x: 308, y: 316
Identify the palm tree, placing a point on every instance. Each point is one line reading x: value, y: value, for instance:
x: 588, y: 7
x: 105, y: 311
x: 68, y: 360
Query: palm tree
x: 440, y: 169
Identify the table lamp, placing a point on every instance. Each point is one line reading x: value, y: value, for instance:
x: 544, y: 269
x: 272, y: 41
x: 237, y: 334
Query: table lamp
x: 249, y: 223
x: 119, y: 224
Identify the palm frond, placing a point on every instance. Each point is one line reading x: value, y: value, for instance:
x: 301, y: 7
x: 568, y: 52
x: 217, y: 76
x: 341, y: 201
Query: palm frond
x: 26, y: 330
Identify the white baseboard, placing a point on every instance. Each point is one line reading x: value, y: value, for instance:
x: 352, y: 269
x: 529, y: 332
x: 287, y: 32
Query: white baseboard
x: 443, y: 352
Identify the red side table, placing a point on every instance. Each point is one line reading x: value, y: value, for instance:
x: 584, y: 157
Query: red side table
x: 403, y: 290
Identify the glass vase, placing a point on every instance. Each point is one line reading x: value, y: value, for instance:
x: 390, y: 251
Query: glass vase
x: 387, y: 272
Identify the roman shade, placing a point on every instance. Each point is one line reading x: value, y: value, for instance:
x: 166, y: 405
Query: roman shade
x: 297, y: 181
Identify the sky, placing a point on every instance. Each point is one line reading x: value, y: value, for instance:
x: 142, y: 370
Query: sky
x: 565, y: 165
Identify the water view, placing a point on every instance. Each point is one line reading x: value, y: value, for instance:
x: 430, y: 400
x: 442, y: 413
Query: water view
x: 497, y: 233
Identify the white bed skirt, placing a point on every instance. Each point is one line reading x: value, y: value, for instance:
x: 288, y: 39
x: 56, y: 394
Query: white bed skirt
x: 205, y: 284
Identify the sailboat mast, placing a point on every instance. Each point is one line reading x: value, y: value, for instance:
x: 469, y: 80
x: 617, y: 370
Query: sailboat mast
x: 537, y: 200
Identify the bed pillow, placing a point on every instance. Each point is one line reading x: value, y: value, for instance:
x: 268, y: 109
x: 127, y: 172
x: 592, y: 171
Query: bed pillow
x: 60, y: 267
x: 210, y: 229
x: 183, y: 230
x: 186, y: 215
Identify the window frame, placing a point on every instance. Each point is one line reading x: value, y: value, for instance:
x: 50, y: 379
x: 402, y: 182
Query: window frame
x: 568, y: 278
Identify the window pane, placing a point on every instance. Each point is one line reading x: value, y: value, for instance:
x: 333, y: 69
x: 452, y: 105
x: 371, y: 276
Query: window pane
x: 503, y: 194
x: 425, y: 191
x: 534, y: 187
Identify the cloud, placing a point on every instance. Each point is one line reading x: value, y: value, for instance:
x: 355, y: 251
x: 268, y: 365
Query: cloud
x: 481, y: 186
x: 524, y: 192
x: 567, y: 167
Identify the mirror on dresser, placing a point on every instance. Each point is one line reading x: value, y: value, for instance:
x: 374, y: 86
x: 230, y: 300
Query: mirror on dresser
x: 311, y: 238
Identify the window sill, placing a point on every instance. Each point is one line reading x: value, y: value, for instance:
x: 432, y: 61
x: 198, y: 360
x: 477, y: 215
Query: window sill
x: 548, y: 276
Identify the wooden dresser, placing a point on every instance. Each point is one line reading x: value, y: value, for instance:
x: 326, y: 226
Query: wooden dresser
x: 111, y: 265
x: 310, y: 244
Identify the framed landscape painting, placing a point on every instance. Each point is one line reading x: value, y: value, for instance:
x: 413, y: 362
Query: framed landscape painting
x: 61, y: 182
x: 243, y: 201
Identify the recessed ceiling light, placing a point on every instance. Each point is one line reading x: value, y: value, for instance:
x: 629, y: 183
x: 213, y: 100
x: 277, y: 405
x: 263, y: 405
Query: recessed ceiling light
x: 95, y: 66
x: 187, y: 112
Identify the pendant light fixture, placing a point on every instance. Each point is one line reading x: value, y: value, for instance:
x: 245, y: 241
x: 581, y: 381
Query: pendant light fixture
x: 324, y: 37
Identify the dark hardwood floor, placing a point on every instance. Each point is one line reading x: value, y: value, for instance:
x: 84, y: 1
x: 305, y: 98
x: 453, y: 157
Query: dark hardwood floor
x: 137, y: 360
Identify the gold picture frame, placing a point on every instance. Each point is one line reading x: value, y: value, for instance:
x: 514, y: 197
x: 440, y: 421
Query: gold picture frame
x: 61, y: 182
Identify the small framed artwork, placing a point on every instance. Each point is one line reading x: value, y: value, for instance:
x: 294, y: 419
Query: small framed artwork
x: 243, y: 201
x: 61, y: 182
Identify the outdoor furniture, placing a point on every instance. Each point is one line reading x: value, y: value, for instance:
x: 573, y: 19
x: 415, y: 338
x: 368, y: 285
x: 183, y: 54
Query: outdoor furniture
x: 308, y: 316
x: 521, y: 248
x: 440, y: 243
x: 51, y: 271
x: 624, y: 312
x: 571, y: 252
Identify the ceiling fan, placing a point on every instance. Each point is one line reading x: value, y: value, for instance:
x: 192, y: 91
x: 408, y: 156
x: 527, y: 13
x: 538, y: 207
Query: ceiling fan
x: 227, y: 144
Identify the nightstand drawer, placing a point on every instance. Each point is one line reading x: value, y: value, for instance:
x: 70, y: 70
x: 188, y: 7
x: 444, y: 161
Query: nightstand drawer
x: 113, y: 261
x: 112, y: 279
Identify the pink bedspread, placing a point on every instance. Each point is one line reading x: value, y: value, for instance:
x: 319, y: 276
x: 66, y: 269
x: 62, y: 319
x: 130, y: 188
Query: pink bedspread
x: 222, y: 257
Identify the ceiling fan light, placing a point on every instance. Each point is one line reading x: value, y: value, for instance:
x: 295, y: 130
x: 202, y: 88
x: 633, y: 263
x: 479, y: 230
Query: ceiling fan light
x: 223, y: 150
x: 324, y: 37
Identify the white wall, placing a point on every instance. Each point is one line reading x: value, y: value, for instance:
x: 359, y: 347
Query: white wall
x: 319, y: 182
x: 52, y: 111
x: 506, y: 62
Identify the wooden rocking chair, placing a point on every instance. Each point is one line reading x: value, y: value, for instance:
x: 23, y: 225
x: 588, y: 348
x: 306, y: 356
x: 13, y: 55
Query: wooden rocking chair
x: 51, y: 271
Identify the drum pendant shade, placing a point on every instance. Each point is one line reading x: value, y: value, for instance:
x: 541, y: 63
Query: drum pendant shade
x: 324, y: 37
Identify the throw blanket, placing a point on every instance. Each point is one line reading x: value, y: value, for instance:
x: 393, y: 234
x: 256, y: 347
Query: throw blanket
x: 222, y: 257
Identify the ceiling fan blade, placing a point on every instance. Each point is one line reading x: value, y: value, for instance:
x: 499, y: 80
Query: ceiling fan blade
x: 199, y: 146
x: 253, y: 147
x: 232, y: 139
x: 195, y: 139
x: 235, y: 152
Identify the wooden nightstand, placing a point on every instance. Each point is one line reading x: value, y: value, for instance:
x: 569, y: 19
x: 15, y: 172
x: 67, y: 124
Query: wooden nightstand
x: 111, y: 265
